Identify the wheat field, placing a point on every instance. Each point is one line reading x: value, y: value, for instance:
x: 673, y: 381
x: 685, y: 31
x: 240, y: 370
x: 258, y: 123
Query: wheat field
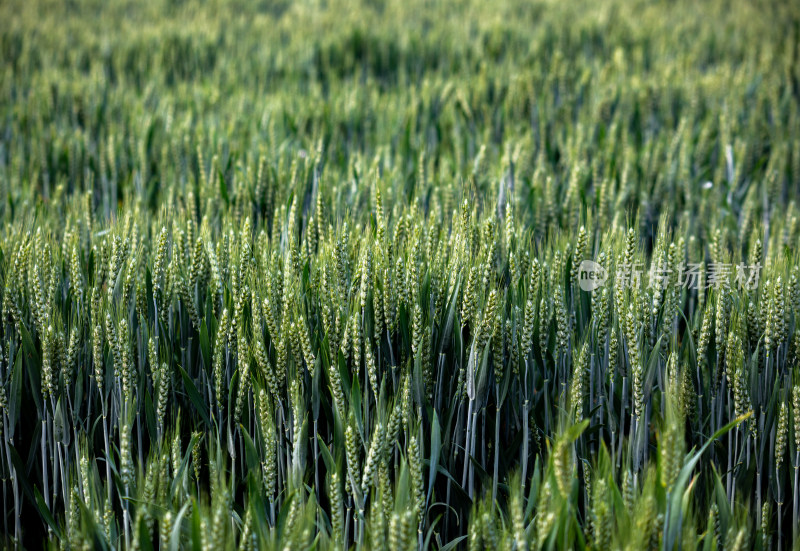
x: 421, y: 275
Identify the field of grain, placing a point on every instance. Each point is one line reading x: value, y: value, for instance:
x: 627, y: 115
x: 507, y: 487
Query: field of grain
x: 400, y: 275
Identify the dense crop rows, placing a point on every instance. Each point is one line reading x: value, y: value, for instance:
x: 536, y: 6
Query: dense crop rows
x: 283, y: 275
